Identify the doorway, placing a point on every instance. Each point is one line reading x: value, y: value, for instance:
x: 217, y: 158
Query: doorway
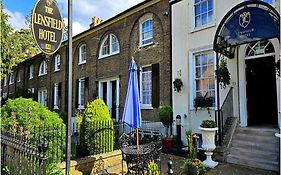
x: 261, y: 91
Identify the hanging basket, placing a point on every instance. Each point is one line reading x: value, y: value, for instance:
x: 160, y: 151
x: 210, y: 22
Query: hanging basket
x: 177, y: 84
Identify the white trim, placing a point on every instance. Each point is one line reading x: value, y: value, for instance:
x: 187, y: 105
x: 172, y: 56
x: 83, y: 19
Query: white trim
x: 56, y: 89
x: 12, y: 79
x: 145, y: 106
x: 44, y: 66
x: 110, y: 36
x: 144, y: 18
x: 19, y: 76
x: 5, y: 81
x: 205, y: 26
x: 259, y: 56
x: 81, y: 106
x: 31, y: 71
x: 80, y: 55
x: 42, y: 97
x: 57, y: 66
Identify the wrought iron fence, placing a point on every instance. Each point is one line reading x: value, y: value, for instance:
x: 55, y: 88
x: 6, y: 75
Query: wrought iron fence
x: 19, y: 155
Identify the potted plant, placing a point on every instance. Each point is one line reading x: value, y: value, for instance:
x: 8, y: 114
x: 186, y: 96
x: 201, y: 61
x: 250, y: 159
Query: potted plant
x: 192, y: 165
x: 223, y: 74
x: 167, y: 142
x: 166, y: 117
x: 208, y: 130
x: 177, y: 84
x: 203, y: 101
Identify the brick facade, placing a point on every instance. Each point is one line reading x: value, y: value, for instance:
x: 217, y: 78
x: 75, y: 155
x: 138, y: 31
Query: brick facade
x: 111, y: 69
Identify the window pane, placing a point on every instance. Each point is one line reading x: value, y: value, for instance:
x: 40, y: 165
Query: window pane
x: 146, y: 85
x: 211, y: 84
x: 197, y: 9
x: 198, y: 21
x: 114, y: 44
x: 147, y: 33
x: 198, y: 72
x: 210, y: 4
x: 204, y: 71
x: 204, y: 18
x: 198, y: 85
x: 204, y: 6
x: 203, y: 59
x: 210, y: 16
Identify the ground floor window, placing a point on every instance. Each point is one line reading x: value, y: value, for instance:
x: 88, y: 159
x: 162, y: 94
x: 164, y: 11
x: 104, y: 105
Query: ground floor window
x: 42, y: 97
x: 146, y: 87
x: 81, y: 93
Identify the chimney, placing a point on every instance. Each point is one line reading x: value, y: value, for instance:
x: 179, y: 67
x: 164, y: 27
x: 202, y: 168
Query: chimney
x: 95, y: 21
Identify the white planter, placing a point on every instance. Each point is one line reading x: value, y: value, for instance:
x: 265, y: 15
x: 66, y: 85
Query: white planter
x: 208, y: 136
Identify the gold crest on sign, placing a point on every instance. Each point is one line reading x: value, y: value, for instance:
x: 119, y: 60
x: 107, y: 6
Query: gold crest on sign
x: 244, y: 19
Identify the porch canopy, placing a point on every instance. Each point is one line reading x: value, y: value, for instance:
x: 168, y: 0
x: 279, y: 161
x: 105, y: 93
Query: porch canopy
x: 249, y: 21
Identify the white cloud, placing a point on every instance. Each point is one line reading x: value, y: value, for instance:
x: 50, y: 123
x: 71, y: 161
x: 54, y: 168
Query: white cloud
x: 16, y: 19
x: 84, y: 10
x: 76, y: 27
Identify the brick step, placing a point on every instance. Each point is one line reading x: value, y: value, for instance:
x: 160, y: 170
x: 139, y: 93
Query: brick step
x: 256, y: 154
x: 257, y: 131
x: 253, y: 162
x: 256, y: 138
x: 261, y: 146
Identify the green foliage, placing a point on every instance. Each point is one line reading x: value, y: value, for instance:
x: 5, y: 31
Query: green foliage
x: 97, y: 130
x: 193, y: 167
x: 19, y: 45
x: 208, y: 124
x: 152, y: 168
x: 35, y: 117
x: 5, y: 170
x: 192, y: 150
x: 165, y: 115
x: 223, y: 74
x: 53, y: 169
x: 177, y: 84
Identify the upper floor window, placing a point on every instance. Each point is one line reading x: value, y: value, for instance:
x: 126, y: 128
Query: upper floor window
x: 82, y: 54
x: 31, y: 71
x: 43, y: 68
x: 109, y: 46
x: 204, y: 12
x: 146, y: 32
x: 19, y: 76
x: 57, y: 63
x: 12, y: 79
x: 5, y: 81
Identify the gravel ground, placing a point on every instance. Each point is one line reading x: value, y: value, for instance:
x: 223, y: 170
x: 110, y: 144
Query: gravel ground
x: 221, y: 169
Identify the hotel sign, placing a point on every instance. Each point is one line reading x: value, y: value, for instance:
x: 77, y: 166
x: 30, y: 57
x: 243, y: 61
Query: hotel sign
x: 47, y: 26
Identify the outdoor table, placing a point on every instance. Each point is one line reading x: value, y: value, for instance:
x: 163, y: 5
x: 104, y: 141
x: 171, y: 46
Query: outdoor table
x: 137, y: 159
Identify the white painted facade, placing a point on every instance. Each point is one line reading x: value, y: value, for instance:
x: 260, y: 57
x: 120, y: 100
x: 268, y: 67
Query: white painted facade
x: 187, y: 41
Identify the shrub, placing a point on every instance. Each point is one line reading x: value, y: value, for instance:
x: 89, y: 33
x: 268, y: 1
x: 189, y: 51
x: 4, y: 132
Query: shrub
x: 208, y: 124
x: 38, y: 120
x: 165, y: 115
x: 152, y: 168
x: 97, y: 131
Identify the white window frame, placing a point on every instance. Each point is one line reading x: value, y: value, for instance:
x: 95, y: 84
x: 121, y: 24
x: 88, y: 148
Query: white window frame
x: 31, y: 90
x: 31, y: 71
x: 5, y: 81
x: 208, y: 24
x: 82, y: 54
x: 19, y: 76
x: 43, y: 68
x: 12, y: 79
x: 81, y: 96
x: 42, y: 97
x: 144, y: 19
x: 145, y: 106
x: 110, y: 37
x: 56, y: 96
x: 192, y: 79
x: 57, y: 63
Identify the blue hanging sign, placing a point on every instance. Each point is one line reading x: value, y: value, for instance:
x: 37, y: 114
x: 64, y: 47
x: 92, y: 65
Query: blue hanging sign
x: 249, y: 25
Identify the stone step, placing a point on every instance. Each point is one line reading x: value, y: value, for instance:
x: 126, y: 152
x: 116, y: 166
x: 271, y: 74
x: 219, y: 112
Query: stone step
x: 261, y: 146
x: 256, y: 154
x: 256, y: 138
x: 117, y: 169
x: 257, y: 131
x: 256, y: 163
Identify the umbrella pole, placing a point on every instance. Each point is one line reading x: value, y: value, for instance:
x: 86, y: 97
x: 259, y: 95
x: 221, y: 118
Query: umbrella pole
x: 137, y: 132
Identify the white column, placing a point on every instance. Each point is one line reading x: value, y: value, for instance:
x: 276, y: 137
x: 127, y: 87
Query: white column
x: 56, y: 96
x: 109, y: 96
x: 100, y: 90
x: 117, y: 99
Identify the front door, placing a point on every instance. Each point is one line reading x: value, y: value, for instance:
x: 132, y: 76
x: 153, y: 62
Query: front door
x: 261, y: 91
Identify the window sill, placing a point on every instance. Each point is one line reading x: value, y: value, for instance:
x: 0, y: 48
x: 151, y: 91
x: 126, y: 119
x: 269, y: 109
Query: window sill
x: 147, y: 44
x: 57, y: 70
x: 82, y: 63
x: 147, y: 107
x: 81, y: 107
x: 203, y: 108
x: 197, y: 29
x: 104, y: 56
x: 31, y: 78
x: 42, y: 74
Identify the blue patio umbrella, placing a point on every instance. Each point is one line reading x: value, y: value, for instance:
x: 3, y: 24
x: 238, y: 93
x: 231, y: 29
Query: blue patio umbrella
x: 132, y: 112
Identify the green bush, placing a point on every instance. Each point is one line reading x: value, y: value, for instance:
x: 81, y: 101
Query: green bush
x: 37, y: 119
x: 165, y: 115
x: 208, y: 124
x: 97, y: 131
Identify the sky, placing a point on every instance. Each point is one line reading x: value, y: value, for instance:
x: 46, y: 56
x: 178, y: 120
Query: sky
x: 83, y: 11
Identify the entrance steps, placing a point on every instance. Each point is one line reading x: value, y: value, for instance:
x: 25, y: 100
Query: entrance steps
x: 255, y: 147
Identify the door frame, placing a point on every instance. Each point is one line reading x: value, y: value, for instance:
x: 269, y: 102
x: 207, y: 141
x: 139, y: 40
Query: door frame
x: 109, y: 97
x: 242, y: 81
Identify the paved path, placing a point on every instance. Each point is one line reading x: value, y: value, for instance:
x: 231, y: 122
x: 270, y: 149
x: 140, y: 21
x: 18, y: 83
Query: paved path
x: 222, y: 169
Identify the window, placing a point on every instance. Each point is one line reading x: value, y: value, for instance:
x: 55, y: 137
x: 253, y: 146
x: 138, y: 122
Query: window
x: 43, y: 68
x: 109, y: 46
x: 42, y: 97
x: 146, y: 87
x: 56, y: 96
x: 204, y: 12
x: 5, y: 81
x: 57, y: 63
x: 19, y: 76
x: 31, y: 90
x: 82, y: 54
x: 146, y: 32
x: 81, y: 93
x: 12, y: 79
x: 204, y: 76
x: 31, y: 71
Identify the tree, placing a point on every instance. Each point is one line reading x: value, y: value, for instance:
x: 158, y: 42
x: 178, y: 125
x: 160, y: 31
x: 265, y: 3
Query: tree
x: 16, y: 45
